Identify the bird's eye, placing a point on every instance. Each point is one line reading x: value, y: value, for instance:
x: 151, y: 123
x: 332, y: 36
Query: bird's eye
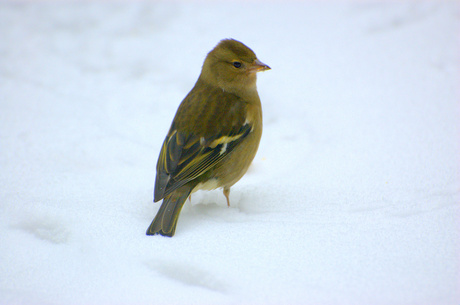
x: 237, y: 64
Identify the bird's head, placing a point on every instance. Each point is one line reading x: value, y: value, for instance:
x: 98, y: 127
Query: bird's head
x: 232, y: 66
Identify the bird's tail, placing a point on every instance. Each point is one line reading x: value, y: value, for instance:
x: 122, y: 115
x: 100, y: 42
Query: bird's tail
x: 165, y: 221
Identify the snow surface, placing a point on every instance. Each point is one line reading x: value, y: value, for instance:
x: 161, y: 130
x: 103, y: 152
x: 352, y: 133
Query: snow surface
x: 353, y: 197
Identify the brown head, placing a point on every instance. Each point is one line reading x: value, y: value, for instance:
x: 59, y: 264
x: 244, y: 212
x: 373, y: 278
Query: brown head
x: 232, y: 66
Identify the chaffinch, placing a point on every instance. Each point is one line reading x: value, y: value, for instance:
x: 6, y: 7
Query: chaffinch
x: 214, y: 135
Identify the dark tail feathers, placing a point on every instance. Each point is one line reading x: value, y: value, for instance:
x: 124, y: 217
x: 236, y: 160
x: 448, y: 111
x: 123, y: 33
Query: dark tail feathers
x: 165, y: 221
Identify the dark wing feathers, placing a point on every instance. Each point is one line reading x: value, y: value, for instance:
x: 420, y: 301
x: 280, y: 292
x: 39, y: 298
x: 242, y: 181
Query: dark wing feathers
x: 211, y: 154
x: 182, y: 161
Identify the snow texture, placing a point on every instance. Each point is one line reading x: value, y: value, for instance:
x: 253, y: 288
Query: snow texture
x: 353, y: 197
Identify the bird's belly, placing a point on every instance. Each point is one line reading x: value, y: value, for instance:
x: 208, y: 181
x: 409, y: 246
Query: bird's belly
x: 208, y: 185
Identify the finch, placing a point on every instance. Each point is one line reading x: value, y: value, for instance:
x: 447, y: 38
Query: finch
x: 214, y: 135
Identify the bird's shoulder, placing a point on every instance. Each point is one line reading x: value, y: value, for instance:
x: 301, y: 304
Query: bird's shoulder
x: 207, y: 111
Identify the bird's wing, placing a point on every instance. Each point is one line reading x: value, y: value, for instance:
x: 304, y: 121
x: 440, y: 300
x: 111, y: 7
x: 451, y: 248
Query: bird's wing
x: 199, y: 138
x: 184, y: 158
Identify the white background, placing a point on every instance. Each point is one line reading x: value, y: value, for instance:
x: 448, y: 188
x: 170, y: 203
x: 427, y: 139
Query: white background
x: 353, y: 197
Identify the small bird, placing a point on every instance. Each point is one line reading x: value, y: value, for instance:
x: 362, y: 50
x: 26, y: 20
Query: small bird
x: 214, y: 135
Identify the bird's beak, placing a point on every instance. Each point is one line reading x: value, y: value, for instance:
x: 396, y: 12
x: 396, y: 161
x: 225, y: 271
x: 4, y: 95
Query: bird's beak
x: 258, y: 66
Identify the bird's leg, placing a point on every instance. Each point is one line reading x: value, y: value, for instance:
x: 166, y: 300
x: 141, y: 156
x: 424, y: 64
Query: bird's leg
x: 227, y: 194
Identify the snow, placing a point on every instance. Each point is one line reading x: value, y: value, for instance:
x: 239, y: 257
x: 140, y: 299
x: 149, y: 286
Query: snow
x: 353, y: 197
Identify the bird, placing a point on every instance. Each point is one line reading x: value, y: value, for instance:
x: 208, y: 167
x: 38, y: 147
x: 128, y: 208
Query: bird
x: 214, y: 135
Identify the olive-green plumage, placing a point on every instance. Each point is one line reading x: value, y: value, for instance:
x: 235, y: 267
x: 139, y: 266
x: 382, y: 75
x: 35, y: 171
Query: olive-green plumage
x: 214, y: 135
